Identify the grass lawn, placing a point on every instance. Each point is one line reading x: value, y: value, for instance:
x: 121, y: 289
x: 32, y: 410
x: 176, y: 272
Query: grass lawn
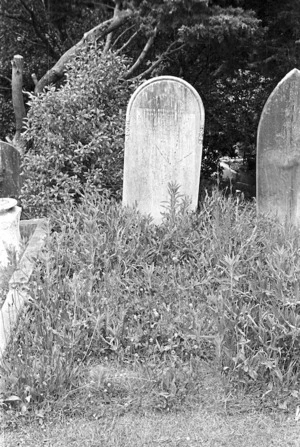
x: 188, y: 429
x: 215, y: 417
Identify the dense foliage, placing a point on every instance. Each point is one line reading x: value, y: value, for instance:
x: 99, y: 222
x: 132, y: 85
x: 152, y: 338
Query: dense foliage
x: 76, y: 133
x: 220, y: 286
x: 208, y: 43
x: 31, y: 28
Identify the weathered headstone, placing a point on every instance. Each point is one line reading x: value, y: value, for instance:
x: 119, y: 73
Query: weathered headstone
x: 163, y: 144
x: 278, y: 152
x: 9, y: 170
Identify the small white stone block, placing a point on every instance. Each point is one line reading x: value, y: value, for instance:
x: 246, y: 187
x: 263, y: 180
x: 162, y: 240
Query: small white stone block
x: 228, y: 173
x: 9, y: 233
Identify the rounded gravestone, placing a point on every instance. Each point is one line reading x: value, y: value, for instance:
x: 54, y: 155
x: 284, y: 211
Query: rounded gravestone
x: 163, y: 144
x: 278, y: 152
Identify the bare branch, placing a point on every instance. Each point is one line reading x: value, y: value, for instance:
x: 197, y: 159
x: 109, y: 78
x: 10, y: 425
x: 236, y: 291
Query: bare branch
x: 35, y: 79
x: 17, y: 17
x: 95, y: 33
x: 6, y: 78
x: 163, y: 56
x: 121, y: 35
x: 142, y: 56
x: 36, y: 28
x: 117, y: 10
x: 18, y: 100
x: 126, y: 44
x: 216, y: 73
x: 100, y: 31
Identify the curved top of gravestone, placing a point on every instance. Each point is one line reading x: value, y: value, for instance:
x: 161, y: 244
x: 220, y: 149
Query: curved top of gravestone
x: 293, y: 77
x: 278, y: 150
x: 160, y: 83
x: 283, y: 102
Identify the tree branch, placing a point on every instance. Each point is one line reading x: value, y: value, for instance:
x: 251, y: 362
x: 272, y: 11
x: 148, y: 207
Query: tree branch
x: 221, y: 67
x: 40, y: 35
x: 166, y: 54
x: 17, y: 17
x: 18, y: 100
x: 142, y: 56
x: 95, y: 33
x: 6, y: 78
x: 121, y: 35
x: 126, y: 44
x: 57, y: 71
x: 117, y: 10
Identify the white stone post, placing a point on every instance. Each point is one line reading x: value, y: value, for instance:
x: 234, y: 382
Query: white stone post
x: 9, y: 229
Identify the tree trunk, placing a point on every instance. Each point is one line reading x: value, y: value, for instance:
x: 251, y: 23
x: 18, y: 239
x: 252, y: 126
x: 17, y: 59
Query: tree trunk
x: 100, y: 31
x: 18, y: 101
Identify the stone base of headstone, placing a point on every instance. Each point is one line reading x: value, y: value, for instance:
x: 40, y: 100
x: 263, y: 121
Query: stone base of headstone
x: 9, y: 234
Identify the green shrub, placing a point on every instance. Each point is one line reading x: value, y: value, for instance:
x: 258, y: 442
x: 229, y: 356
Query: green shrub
x: 76, y: 133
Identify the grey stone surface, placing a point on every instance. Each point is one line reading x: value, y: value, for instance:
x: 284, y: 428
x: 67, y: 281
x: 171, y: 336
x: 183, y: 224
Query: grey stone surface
x: 163, y: 144
x: 18, y: 294
x: 278, y: 152
x: 9, y: 234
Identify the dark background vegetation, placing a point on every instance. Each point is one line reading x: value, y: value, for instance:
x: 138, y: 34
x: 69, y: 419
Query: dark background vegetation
x: 232, y: 51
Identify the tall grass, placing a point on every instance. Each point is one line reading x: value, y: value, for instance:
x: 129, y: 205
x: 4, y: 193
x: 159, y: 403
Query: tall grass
x: 111, y: 288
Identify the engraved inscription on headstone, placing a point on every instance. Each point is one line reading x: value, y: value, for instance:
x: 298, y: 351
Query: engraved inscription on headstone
x: 278, y: 152
x: 163, y: 144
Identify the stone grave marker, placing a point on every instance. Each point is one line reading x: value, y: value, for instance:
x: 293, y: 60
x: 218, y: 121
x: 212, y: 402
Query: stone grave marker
x: 278, y: 152
x: 9, y: 170
x: 163, y: 144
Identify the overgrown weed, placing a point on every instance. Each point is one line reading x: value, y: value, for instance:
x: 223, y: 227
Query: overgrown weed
x: 113, y: 290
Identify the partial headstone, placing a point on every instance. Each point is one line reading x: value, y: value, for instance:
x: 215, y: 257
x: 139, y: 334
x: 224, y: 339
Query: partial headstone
x: 9, y: 170
x: 163, y: 144
x: 278, y: 152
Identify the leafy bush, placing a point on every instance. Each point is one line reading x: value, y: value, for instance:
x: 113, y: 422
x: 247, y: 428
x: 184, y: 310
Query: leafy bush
x: 76, y: 133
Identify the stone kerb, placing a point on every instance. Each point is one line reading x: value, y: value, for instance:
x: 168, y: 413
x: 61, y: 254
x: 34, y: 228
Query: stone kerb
x: 163, y: 144
x: 278, y: 152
